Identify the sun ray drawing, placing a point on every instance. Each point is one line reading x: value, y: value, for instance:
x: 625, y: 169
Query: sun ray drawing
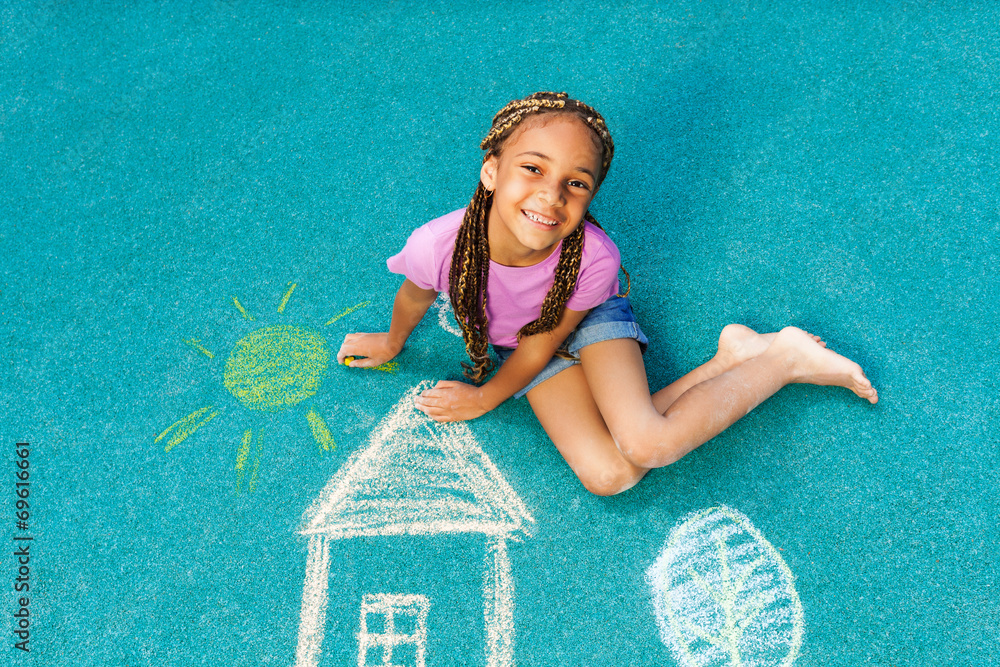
x: 195, y: 344
x: 348, y: 311
x: 186, y: 426
x: 288, y: 295
x: 249, y: 437
x: 270, y: 370
x: 243, y: 311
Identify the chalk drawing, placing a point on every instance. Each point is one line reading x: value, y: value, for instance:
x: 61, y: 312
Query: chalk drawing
x: 399, y: 635
x: 274, y: 368
x: 241, y: 459
x: 723, y: 595
x: 195, y: 344
x: 348, y: 311
x: 446, y: 315
x: 321, y: 432
x: 185, y: 426
x: 416, y: 477
x: 288, y: 295
x: 389, y: 367
x: 243, y: 311
x: 269, y: 370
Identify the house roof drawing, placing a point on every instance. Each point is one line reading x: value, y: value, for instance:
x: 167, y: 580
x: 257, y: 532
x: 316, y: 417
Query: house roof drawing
x: 417, y: 477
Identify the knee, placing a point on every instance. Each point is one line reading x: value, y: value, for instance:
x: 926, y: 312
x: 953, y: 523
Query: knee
x: 649, y: 458
x: 612, y: 481
x: 645, y: 451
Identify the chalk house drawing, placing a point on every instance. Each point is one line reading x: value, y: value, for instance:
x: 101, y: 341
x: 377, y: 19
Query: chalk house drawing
x: 723, y: 595
x: 400, y: 623
x: 446, y: 315
x: 414, y: 477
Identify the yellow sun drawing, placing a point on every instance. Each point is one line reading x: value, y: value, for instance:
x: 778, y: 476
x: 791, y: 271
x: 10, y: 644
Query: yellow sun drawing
x: 268, y: 370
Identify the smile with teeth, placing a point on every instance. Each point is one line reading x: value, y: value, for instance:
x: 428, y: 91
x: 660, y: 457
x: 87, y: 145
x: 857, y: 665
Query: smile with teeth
x: 534, y: 217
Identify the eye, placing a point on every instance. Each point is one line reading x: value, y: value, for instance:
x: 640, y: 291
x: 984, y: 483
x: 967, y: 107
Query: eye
x: 532, y: 168
x: 579, y: 184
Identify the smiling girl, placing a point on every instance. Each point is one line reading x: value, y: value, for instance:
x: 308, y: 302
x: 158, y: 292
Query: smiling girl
x: 530, y: 271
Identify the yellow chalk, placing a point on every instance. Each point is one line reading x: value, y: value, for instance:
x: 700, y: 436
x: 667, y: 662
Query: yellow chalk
x: 348, y: 360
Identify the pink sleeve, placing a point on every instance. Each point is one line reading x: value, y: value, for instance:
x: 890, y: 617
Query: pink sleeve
x: 417, y: 260
x: 598, y: 278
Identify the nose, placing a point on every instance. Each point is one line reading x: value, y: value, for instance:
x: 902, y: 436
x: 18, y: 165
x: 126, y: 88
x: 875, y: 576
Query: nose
x: 551, y: 193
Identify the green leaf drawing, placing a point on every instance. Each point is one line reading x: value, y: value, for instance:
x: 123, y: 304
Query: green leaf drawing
x: 723, y: 596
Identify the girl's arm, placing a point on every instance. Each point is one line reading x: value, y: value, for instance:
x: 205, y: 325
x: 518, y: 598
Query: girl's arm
x: 377, y: 348
x: 458, y: 401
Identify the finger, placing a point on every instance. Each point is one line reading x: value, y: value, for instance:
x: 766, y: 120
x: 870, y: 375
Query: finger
x: 445, y: 387
x: 347, y: 348
x: 351, y: 337
x: 435, y: 393
x: 430, y: 403
x: 348, y: 355
x: 434, y: 412
x: 443, y: 384
x: 364, y: 362
x: 442, y: 414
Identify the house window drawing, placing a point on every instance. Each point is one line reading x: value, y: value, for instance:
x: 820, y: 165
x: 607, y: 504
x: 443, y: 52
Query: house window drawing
x: 418, y: 479
x: 393, y: 630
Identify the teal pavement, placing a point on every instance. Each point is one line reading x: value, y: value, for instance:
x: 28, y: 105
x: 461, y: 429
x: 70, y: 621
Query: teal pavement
x: 197, y: 204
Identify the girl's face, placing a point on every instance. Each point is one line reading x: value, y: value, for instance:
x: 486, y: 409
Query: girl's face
x: 543, y: 182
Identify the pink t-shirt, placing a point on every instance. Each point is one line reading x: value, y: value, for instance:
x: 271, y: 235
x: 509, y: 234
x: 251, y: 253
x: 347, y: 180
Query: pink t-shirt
x: 515, y: 293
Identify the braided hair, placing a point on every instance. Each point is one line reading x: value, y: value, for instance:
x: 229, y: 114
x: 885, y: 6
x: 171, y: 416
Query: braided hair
x: 469, y: 275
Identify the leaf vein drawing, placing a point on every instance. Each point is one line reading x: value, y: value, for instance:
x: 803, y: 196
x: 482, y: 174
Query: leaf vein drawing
x: 705, y: 586
x: 723, y: 596
x: 749, y: 570
x: 751, y: 611
x: 711, y: 639
x: 728, y: 603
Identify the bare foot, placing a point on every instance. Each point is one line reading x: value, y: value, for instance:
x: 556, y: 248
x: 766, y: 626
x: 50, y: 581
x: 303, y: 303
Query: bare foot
x: 738, y: 343
x: 812, y: 363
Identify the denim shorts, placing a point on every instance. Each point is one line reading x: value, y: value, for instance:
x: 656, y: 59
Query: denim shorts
x: 612, y: 319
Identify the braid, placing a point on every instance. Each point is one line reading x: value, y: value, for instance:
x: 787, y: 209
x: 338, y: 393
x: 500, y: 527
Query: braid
x: 563, y: 286
x: 469, y: 274
x: 467, y: 282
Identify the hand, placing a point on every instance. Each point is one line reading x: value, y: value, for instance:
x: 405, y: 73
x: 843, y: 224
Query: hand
x: 449, y: 401
x: 374, y: 347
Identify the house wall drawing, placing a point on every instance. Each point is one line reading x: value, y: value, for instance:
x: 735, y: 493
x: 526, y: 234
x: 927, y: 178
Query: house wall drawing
x: 417, y: 478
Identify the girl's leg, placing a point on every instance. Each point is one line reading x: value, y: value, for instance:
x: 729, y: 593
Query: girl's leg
x: 699, y: 409
x: 737, y: 344
x: 566, y: 409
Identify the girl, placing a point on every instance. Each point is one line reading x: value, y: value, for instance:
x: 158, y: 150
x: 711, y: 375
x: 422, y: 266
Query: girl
x: 529, y: 270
